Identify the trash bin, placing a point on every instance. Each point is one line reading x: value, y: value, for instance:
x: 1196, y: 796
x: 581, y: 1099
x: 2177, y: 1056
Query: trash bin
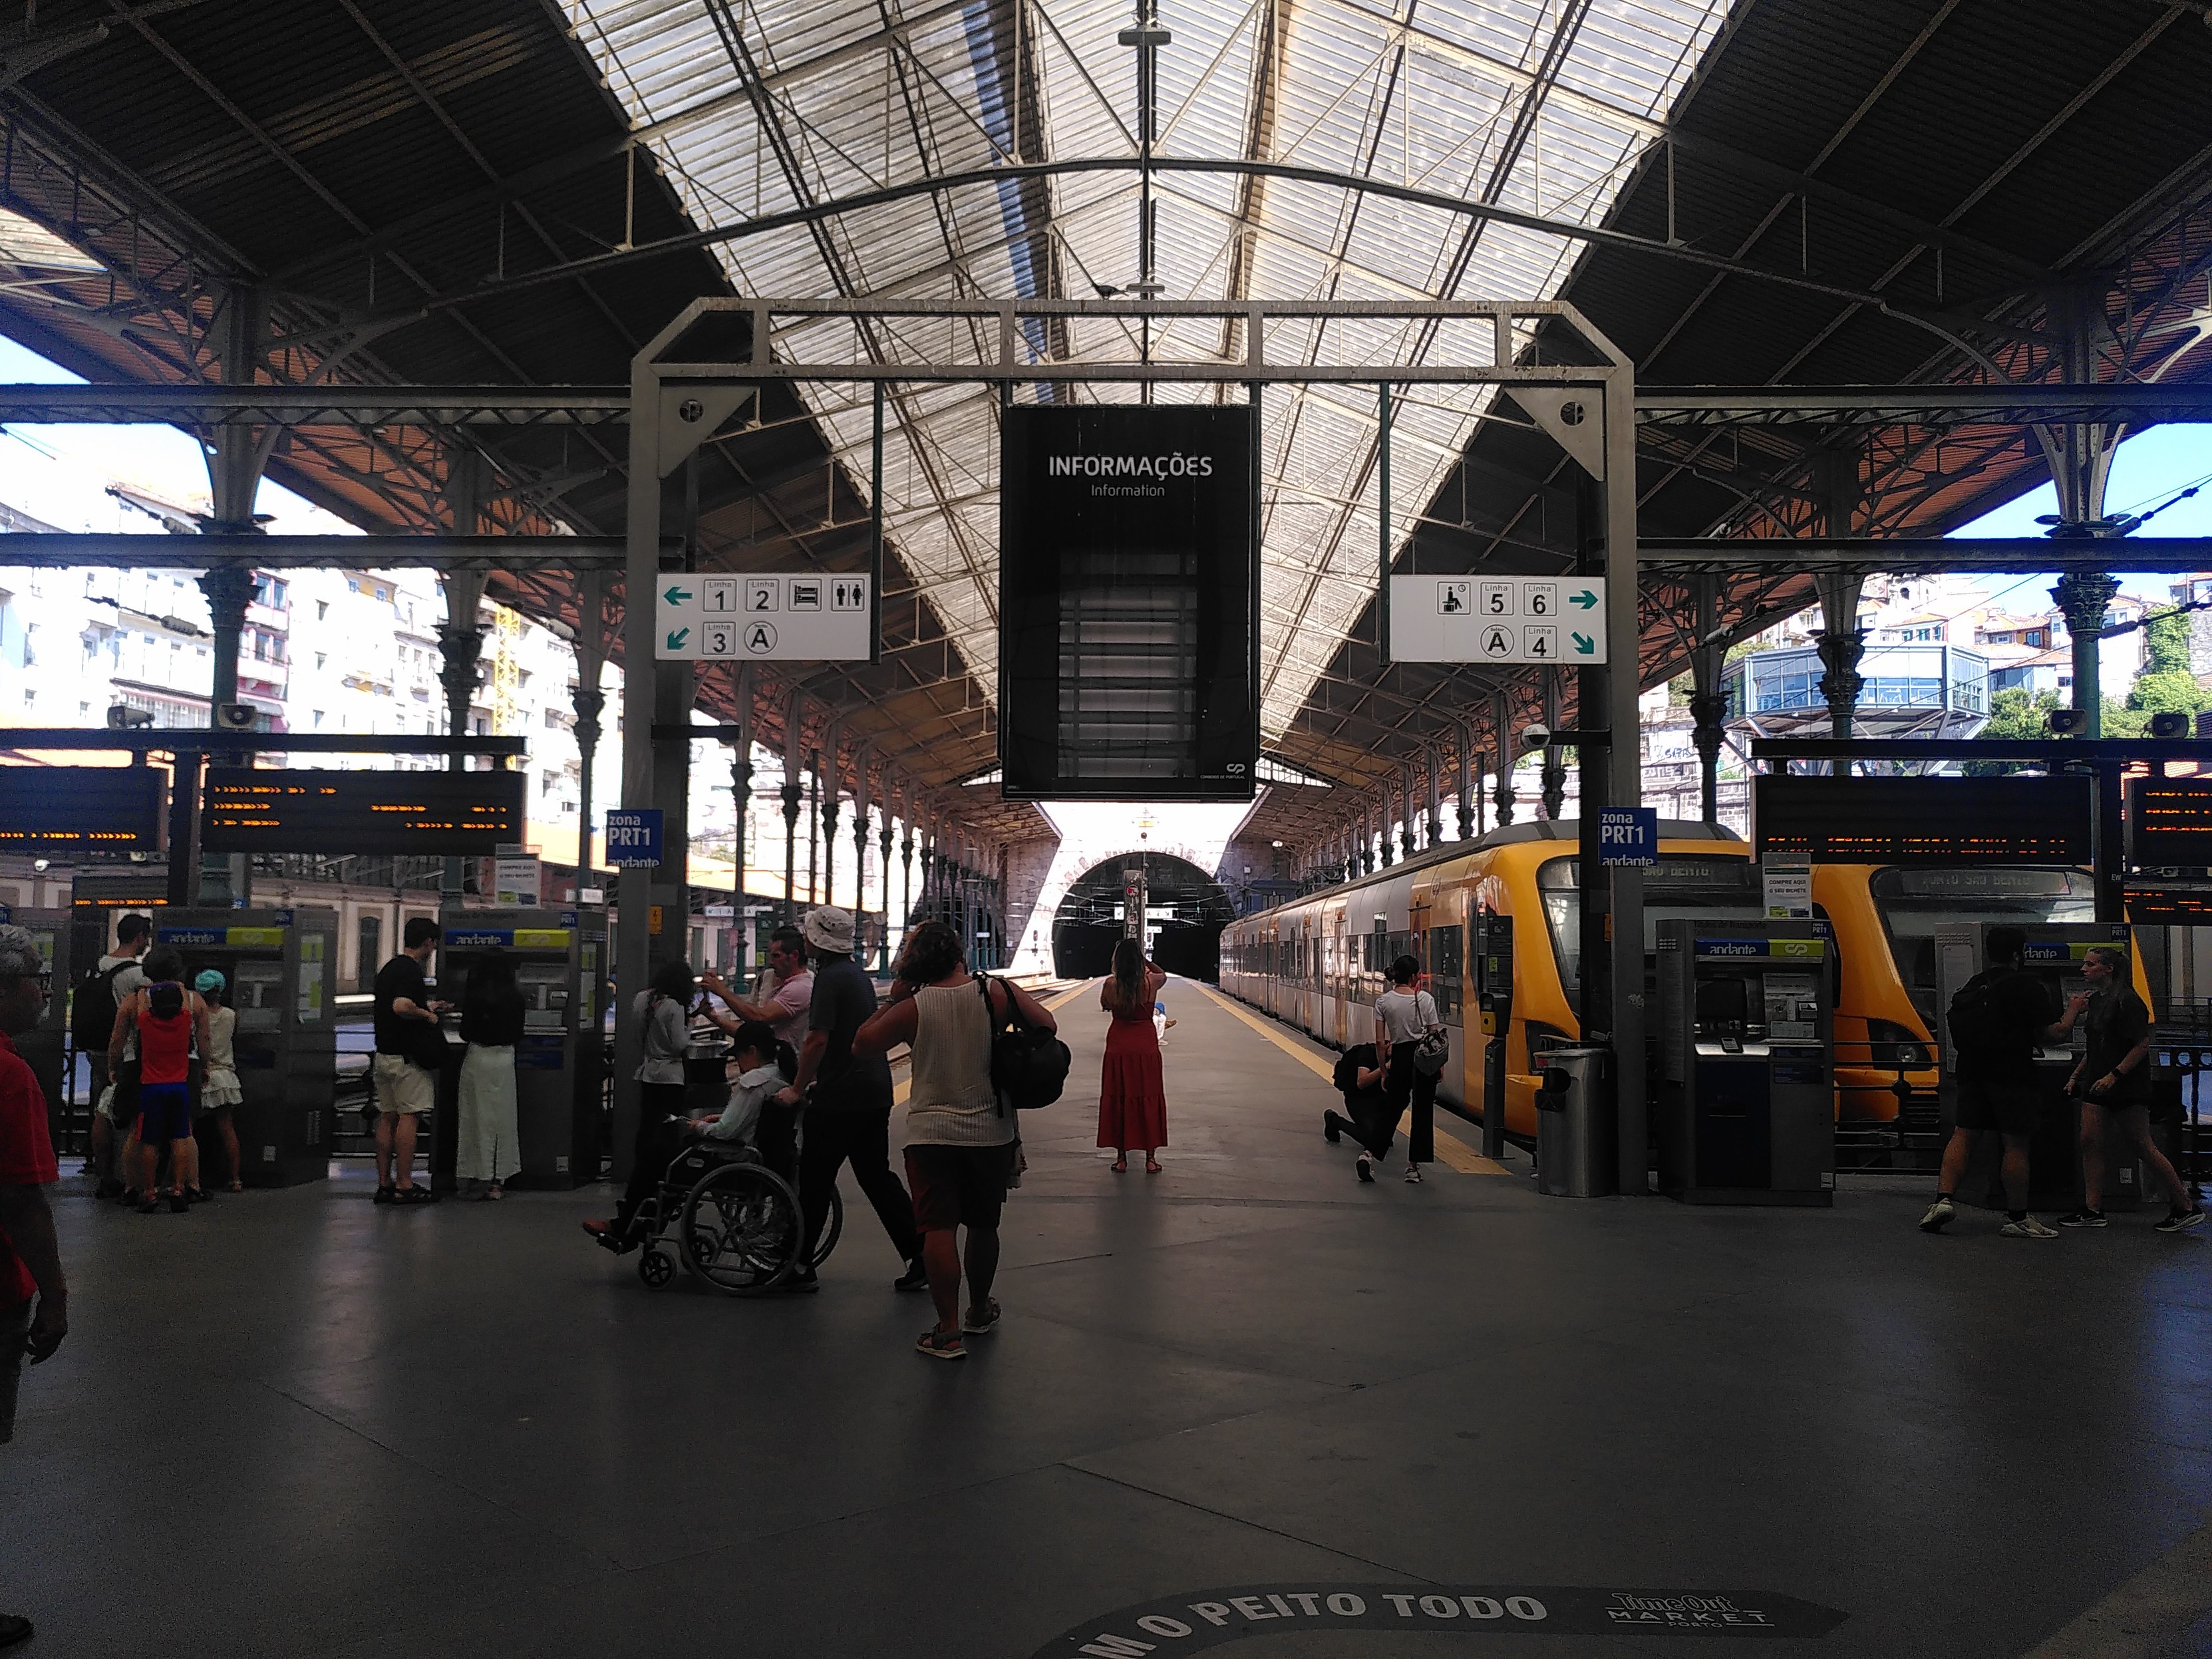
x: 1576, y: 1126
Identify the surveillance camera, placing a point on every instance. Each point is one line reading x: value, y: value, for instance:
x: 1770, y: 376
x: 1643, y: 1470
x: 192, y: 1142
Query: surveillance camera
x: 1535, y: 737
x: 235, y: 716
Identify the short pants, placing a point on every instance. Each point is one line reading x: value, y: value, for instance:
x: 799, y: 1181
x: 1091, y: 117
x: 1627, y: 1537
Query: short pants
x: 14, y: 1325
x: 2009, y: 1108
x: 165, y: 1113
x: 958, y: 1186
x: 404, y: 1087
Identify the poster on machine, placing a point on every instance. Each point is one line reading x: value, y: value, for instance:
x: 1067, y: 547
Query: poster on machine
x: 1128, y: 603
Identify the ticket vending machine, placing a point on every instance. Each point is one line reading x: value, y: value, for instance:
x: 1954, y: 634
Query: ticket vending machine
x: 1747, y: 1101
x: 2054, y: 956
x: 42, y: 1047
x: 560, y: 961
x: 278, y: 967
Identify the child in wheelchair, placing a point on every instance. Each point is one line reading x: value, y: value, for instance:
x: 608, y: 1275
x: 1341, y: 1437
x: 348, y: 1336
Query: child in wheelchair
x: 759, y: 1066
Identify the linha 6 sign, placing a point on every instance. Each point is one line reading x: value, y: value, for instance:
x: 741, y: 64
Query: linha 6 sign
x: 1128, y: 617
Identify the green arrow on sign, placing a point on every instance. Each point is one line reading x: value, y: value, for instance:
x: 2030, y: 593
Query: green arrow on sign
x: 1585, y: 599
x: 677, y: 595
x: 677, y: 636
x: 1584, y: 645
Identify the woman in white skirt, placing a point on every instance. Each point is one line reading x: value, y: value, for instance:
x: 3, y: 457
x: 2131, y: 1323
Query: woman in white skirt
x: 491, y: 1150
x: 220, y: 1093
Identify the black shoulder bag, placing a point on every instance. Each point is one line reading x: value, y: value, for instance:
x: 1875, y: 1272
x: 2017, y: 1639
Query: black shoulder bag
x: 1029, y: 1064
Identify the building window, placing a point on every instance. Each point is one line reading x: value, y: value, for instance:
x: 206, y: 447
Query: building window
x: 322, y: 608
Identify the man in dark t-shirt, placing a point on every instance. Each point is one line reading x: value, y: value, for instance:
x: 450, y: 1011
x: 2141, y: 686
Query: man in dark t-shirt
x: 849, y: 1109
x: 2113, y: 1083
x: 1998, y: 1087
x: 406, y: 1089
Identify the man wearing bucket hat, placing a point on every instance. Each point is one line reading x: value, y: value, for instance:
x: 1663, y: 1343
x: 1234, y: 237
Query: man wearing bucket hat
x: 849, y: 1109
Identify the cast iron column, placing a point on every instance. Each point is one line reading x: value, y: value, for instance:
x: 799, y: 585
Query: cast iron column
x: 2084, y: 596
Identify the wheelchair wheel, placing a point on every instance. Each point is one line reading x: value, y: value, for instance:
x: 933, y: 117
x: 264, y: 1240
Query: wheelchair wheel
x: 833, y: 1226
x: 656, y: 1267
x: 740, y: 1229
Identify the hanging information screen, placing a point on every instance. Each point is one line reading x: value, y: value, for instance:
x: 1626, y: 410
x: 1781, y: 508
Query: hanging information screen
x: 58, y: 808
x: 1128, y: 609
x: 1924, y: 820
x: 377, y: 813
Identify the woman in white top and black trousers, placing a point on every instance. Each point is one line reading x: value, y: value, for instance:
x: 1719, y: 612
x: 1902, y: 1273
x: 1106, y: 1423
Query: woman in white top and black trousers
x: 961, y: 1141
x: 1403, y: 1016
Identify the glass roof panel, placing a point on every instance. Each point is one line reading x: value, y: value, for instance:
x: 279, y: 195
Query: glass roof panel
x: 758, y: 108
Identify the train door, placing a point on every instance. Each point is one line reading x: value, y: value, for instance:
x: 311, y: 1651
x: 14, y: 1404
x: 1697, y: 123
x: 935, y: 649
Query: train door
x: 1338, y: 1008
x: 1271, y: 951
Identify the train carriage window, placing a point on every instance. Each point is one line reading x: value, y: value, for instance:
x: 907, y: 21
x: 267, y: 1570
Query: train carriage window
x: 1443, y: 965
x: 1682, y: 885
x: 1912, y: 901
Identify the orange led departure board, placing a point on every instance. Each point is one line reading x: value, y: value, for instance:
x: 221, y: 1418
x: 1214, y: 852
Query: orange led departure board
x: 2012, y: 820
x: 105, y: 809
x: 2170, y: 822
x: 395, y: 813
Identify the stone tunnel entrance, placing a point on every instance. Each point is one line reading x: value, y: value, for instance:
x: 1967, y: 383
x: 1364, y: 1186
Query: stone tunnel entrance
x: 1185, y: 912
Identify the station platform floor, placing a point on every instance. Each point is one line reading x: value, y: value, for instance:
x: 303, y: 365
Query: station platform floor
x: 296, y: 1422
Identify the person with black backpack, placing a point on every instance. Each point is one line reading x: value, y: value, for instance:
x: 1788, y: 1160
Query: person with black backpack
x: 1996, y: 1019
x: 962, y: 1135
x: 93, y: 1002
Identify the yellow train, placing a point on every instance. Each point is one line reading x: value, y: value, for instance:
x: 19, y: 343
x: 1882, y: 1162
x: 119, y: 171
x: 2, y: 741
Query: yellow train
x: 1319, y: 963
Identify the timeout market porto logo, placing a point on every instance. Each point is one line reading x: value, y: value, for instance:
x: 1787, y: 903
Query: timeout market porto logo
x: 1212, y: 1619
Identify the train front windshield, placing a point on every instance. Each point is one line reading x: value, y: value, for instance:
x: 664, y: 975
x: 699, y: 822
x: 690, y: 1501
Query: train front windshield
x: 1682, y: 885
x: 1913, y: 902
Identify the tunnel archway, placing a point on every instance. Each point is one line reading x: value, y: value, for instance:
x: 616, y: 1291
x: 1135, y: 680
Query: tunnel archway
x: 1186, y: 909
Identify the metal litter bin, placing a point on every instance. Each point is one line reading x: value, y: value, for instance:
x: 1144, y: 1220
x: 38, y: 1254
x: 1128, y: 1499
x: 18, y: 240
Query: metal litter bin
x: 1576, y: 1128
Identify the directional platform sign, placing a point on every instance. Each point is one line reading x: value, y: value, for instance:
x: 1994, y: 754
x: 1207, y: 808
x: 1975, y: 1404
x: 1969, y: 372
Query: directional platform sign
x: 806, y: 616
x: 1501, y: 619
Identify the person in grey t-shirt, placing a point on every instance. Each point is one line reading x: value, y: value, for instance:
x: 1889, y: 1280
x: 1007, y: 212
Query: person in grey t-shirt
x: 1403, y: 1016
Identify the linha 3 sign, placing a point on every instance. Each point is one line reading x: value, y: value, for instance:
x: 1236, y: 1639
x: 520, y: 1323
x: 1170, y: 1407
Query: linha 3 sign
x: 1212, y: 1619
x: 806, y: 616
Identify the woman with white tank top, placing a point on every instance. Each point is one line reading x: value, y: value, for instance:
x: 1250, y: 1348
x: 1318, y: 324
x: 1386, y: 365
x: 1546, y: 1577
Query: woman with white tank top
x: 961, y: 1142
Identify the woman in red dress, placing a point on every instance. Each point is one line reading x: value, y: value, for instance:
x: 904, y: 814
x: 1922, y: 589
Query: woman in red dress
x: 1132, y: 1105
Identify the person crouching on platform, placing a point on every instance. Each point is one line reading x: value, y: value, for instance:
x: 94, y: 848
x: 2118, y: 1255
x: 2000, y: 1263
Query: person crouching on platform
x: 219, y: 1094
x: 168, y: 1020
x: 763, y: 1066
x: 1359, y: 1077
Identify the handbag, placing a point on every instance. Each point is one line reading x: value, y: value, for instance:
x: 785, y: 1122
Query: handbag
x: 1029, y: 1064
x: 1433, y: 1047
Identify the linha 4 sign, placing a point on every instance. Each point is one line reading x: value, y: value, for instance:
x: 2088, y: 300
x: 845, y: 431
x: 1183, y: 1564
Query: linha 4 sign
x: 1212, y: 1619
x: 761, y: 616
x: 1502, y: 619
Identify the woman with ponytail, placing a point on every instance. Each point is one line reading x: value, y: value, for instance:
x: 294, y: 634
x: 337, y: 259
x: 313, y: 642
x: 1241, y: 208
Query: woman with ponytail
x: 1133, y: 1104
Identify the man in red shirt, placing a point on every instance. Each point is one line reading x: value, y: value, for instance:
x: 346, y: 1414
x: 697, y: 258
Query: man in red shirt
x: 30, y: 1258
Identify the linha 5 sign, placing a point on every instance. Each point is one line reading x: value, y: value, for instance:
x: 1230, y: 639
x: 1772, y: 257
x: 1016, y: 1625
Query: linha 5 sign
x: 1500, y: 619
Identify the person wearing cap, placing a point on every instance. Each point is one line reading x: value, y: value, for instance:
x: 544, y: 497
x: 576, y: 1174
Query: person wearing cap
x: 848, y: 1111
x: 219, y: 1092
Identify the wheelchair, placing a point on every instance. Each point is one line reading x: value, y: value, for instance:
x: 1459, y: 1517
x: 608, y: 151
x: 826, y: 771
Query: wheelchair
x: 731, y: 1220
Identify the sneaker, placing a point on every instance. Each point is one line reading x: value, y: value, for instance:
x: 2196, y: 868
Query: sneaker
x: 2027, y: 1227
x: 2180, y: 1221
x: 179, y: 1203
x: 610, y: 1236
x: 1328, y: 1128
x: 1365, y: 1167
x: 2084, y: 1218
x: 938, y: 1347
x: 1939, y: 1216
x: 13, y: 1630
x: 1413, y: 1172
x: 148, y: 1205
x: 981, y: 1322
x: 915, y: 1278
x: 199, y: 1194
x: 110, y: 1188
x: 416, y: 1195
x: 386, y: 1196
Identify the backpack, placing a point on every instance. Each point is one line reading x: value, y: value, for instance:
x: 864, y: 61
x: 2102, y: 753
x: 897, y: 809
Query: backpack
x: 1979, y: 1028
x: 92, y: 1007
x: 1029, y: 1064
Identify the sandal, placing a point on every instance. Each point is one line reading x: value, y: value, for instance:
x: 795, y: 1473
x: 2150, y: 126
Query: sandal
x: 1152, y: 1166
x: 981, y: 1322
x: 238, y: 1185
x: 941, y: 1345
x: 1121, y: 1166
